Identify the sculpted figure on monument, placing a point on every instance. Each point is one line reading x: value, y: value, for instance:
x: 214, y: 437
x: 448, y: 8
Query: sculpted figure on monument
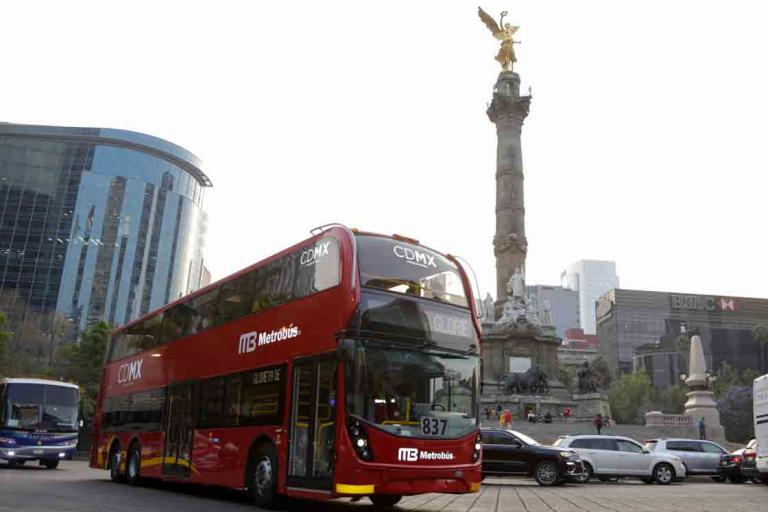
x: 506, y: 56
x: 587, y: 379
x: 488, y: 309
x: 515, y: 285
x: 515, y: 306
x: 532, y: 381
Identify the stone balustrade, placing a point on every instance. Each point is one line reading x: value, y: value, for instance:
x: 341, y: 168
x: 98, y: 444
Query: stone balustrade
x: 658, y: 419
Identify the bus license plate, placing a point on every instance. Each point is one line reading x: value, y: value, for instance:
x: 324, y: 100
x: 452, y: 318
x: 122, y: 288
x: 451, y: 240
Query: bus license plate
x: 433, y: 426
x: 38, y: 452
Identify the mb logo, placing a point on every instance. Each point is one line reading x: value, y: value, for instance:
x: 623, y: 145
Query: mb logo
x: 408, y: 454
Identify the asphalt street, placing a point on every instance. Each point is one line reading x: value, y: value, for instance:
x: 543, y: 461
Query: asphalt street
x: 75, y: 487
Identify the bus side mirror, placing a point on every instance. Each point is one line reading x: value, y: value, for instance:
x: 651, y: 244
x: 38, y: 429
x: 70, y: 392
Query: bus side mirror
x: 345, y: 350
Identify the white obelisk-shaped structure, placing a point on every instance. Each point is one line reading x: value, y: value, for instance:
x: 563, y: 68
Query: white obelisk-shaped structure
x: 701, y: 402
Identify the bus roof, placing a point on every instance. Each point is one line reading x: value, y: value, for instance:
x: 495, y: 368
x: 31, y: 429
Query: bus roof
x: 40, y: 381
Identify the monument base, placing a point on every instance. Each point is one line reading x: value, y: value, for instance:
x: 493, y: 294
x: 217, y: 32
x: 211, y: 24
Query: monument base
x: 589, y: 405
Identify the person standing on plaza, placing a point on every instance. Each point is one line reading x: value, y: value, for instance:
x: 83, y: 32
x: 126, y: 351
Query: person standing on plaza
x: 498, y: 410
x: 566, y: 413
x: 702, y: 429
x: 599, y: 423
x: 507, y: 418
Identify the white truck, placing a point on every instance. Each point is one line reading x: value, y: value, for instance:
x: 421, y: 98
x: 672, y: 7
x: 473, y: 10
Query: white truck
x: 760, y: 408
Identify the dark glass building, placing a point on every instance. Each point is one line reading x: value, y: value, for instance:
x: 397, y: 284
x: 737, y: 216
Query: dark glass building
x: 629, y: 320
x: 98, y: 223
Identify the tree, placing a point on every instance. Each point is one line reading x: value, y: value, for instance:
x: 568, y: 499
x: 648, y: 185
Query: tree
x: 4, y: 337
x: 82, y: 363
x: 736, y: 414
x: 760, y: 334
x: 629, y: 397
x: 567, y: 375
x: 670, y: 400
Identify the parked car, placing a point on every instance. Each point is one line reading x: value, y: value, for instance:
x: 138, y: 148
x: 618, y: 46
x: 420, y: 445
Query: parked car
x: 700, y: 457
x: 507, y: 452
x: 749, y: 464
x: 615, y: 456
x: 730, y: 466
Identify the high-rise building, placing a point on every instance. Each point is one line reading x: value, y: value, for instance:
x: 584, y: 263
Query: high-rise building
x: 629, y: 320
x: 562, y: 303
x: 98, y: 223
x: 591, y: 279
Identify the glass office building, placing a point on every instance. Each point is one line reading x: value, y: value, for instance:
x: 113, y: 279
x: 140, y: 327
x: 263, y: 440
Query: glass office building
x: 98, y: 223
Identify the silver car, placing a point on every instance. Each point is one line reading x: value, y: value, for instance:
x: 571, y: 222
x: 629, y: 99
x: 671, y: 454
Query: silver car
x: 700, y: 457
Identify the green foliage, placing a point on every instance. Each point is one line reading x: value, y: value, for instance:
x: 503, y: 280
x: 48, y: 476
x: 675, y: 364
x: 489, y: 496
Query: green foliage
x: 760, y: 333
x: 82, y: 363
x: 4, y: 337
x: 629, y: 398
x: 727, y: 377
x: 736, y: 414
x: 670, y: 400
x: 603, y: 372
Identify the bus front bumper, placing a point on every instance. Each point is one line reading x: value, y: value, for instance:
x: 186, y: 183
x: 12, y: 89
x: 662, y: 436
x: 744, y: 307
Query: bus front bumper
x: 63, y: 452
x: 405, y: 481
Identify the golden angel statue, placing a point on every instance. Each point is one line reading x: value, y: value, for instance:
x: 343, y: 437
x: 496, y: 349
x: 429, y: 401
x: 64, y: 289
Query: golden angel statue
x: 506, y: 55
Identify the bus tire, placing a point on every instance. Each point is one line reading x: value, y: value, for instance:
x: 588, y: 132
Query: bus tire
x: 262, y: 478
x: 114, y: 464
x: 133, y: 464
x: 385, y: 500
x: 50, y: 463
x: 15, y: 463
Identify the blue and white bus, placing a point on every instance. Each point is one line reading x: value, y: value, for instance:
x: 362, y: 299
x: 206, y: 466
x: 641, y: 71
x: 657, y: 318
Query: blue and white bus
x: 38, y: 421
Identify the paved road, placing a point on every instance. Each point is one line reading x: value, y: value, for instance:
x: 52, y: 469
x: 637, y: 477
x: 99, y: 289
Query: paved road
x: 75, y: 487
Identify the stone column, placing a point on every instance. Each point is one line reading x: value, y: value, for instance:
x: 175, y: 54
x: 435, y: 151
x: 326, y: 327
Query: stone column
x: 508, y: 111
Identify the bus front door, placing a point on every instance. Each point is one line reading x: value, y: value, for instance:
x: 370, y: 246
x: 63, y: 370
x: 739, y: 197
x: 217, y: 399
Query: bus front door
x: 179, y: 429
x: 313, y: 424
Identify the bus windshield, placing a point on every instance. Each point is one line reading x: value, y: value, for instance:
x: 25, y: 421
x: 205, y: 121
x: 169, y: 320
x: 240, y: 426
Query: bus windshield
x: 40, y: 407
x: 400, y: 267
x: 411, y: 392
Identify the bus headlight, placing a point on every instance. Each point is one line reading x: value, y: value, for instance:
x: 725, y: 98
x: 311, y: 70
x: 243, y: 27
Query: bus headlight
x: 359, y: 439
x: 478, y: 448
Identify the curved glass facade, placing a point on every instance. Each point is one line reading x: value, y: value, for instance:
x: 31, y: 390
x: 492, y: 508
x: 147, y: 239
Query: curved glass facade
x: 98, y: 223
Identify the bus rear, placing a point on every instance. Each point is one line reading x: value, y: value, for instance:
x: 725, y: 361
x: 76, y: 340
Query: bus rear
x: 760, y: 407
x: 38, y: 421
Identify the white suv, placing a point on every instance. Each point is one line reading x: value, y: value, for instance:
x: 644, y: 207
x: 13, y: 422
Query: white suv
x: 615, y: 456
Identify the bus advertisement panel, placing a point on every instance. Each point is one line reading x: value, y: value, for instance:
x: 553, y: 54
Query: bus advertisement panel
x: 347, y: 365
x: 38, y: 421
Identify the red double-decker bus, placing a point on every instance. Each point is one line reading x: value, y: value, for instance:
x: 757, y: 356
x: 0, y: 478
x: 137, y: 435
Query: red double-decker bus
x: 346, y: 365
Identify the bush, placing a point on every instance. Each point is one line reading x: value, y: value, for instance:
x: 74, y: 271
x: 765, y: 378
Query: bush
x: 629, y: 398
x: 736, y: 414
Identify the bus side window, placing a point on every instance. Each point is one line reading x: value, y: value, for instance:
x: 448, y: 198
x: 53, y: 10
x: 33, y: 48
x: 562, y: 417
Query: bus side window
x: 202, y: 312
x: 212, y: 402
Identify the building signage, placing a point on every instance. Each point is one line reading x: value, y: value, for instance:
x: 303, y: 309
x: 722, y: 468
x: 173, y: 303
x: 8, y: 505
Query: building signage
x: 703, y: 303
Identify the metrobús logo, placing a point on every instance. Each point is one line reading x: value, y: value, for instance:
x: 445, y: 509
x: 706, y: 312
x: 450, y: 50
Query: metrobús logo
x: 414, y: 454
x: 313, y: 254
x: 415, y: 256
x: 250, y: 340
x: 130, y: 371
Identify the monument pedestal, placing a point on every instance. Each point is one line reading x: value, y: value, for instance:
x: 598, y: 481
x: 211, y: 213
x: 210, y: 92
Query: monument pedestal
x: 589, y: 405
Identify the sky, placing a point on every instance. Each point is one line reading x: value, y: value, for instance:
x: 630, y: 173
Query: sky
x: 645, y: 143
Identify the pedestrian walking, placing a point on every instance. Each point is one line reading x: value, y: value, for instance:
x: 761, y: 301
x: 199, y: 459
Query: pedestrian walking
x: 507, y: 418
x: 566, y: 413
x: 598, y: 423
x: 702, y: 429
x: 498, y: 410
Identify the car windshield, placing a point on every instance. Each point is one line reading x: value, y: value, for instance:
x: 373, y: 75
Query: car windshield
x: 401, y: 267
x: 413, y: 392
x: 40, y: 407
x: 524, y: 438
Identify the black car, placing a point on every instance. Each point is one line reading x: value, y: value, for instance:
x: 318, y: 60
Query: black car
x: 730, y: 467
x: 506, y: 452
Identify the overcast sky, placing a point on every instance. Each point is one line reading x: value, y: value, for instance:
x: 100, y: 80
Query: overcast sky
x: 645, y: 142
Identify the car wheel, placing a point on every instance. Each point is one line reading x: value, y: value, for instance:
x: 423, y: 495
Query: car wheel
x: 50, y: 464
x: 546, y: 473
x: 263, y: 478
x: 718, y: 478
x: 663, y: 474
x: 385, y: 500
x: 133, y: 465
x: 114, y: 464
x: 584, y: 478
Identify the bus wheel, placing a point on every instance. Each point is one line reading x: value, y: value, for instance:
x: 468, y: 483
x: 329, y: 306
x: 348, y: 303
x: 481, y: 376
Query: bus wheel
x: 15, y: 463
x: 50, y: 463
x: 114, y: 464
x: 133, y: 465
x: 262, y: 481
x: 385, y: 500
